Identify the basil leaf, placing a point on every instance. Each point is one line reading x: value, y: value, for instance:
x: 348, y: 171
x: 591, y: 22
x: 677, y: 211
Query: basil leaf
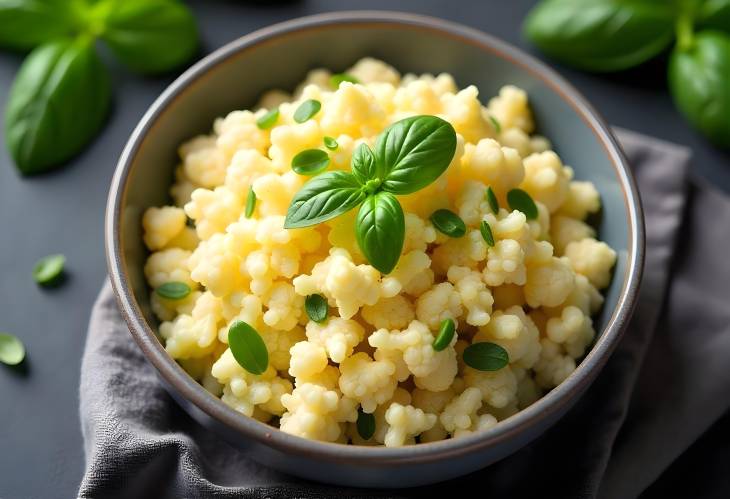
x: 601, y: 35
x: 322, y: 198
x: 380, y: 229
x: 316, y: 307
x: 414, y: 152
x: 173, y: 290
x: 58, y: 102
x: 250, y: 203
x: 12, y: 351
x: 521, y: 201
x: 330, y: 143
x: 268, y: 120
x: 699, y: 79
x: 485, y: 356
x: 29, y: 23
x: 310, y: 162
x: 49, y: 270
x: 307, y: 110
x: 365, y: 424
x: 446, y: 334
x: 448, y: 222
x: 150, y: 36
x: 363, y: 164
x: 248, y: 348
x: 715, y: 14
x: 338, y: 78
x: 486, y: 231
x: 496, y: 124
x: 492, y: 200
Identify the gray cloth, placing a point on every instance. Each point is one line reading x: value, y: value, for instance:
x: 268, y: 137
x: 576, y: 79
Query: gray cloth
x: 664, y: 386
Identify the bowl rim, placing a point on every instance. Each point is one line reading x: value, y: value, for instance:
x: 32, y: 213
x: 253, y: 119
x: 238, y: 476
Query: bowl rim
x: 214, y: 408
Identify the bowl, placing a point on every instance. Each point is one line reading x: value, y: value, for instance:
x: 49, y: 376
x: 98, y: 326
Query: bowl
x: 279, y: 57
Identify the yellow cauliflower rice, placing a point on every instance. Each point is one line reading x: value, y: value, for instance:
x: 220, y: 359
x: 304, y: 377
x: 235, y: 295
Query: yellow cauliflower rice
x: 532, y: 292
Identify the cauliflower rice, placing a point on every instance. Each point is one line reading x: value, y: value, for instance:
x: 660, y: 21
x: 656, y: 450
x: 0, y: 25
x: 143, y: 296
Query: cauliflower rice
x: 533, y: 292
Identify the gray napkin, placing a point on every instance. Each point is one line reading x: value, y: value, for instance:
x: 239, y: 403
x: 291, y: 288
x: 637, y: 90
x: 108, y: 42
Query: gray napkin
x: 666, y: 384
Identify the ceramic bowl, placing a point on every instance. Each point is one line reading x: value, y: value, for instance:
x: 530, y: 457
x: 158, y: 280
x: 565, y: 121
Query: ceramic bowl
x: 233, y: 77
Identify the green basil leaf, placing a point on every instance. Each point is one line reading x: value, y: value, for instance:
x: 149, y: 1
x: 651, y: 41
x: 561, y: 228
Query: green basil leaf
x: 330, y: 143
x: 338, y: 78
x: 364, y: 164
x: 12, y: 351
x: 486, y: 231
x: 448, y: 222
x: 485, y: 356
x: 699, y: 79
x: 414, y: 152
x: 322, y: 198
x: 310, y: 162
x: 380, y: 229
x: 492, y: 200
x: 248, y: 348
x: 29, y: 23
x: 714, y: 14
x: 601, y: 35
x: 496, y: 124
x: 173, y: 290
x: 316, y: 307
x: 150, y: 36
x: 521, y: 201
x: 250, y: 202
x: 58, y: 102
x: 307, y: 110
x: 365, y: 424
x: 268, y: 120
x: 446, y: 334
x: 49, y: 270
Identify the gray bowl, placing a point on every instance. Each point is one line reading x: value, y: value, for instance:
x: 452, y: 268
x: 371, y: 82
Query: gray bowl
x: 279, y: 57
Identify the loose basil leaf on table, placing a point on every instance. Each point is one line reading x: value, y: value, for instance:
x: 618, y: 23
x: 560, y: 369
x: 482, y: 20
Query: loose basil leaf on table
x: 699, y: 79
x: 49, y: 270
x: 601, y: 35
x: 714, y: 14
x: 380, y: 230
x: 150, y: 36
x: 29, y: 23
x: 58, y: 102
x: 322, y: 198
x: 248, y: 348
x: 12, y: 351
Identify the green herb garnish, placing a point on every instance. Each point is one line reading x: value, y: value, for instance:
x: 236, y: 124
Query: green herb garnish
x: 248, y: 348
x: 485, y: 356
x: 486, y: 231
x: 49, y: 270
x: 446, y: 334
x: 306, y: 110
x: 330, y: 143
x: 250, y: 202
x: 173, y: 290
x: 316, y: 307
x: 310, y: 162
x: 448, y: 222
x: 521, y: 201
x: 365, y: 424
x: 268, y: 120
x: 12, y: 351
x: 496, y: 124
x: 492, y: 200
x: 338, y: 78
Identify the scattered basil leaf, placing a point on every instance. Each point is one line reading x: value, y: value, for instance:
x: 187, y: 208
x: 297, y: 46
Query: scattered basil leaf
x: 380, y: 229
x: 173, y: 290
x: 316, y: 307
x: 363, y: 164
x: 248, y: 348
x: 413, y: 152
x: 58, y: 102
x: 29, y: 23
x: 150, y: 36
x: 322, y: 198
x: 250, y: 202
x: 49, y: 270
x: 496, y: 124
x: 338, y: 78
x: 445, y: 335
x: 268, y: 120
x: 306, y: 110
x: 310, y: 162
x: 448, y: 222
x: 492, y: 200
x: 330, y: 143
x: 601, y: 35
x: 485, y: 356
x: 714, y: 14
x: 12, y: 351
x: 521, y: 201
x: 365, y: 424
x: 486, y: 231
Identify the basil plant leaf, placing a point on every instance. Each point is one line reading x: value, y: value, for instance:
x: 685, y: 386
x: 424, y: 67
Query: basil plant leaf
x: 699, y: 79
x: 322, y: 198
x: 150, y: 36
x: 380, y: 230
x: 29, y: 23
x: 58, y: 102
x: 414, y: 152
x: 601, y: 35
x: 715, y: 14
x: 364, y: 164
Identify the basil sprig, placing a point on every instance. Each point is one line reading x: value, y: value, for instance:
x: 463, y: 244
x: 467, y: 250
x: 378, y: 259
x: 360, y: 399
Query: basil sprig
x: 409, y: 155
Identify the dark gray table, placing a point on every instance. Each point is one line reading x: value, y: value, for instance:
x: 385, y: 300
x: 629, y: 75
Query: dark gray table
x: 41, y: 453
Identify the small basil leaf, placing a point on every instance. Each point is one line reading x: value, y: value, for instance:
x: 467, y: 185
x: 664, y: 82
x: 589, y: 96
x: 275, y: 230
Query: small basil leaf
x: 485, y: 356
x: 715, y: 14
x: 58, y: 102
x: 338, y: 78
x: 521, y: 201
x: 448, y: 222
x: 486, y: 231
x: 322, y: 198
x: 248, y: 348
x: 29, y: 23
x: 495, y: 123
x: 492, y: 200
x: 316, y: 307
x: 49, y: 270
x: 310, y: 162
x: 330, y: 143
x: 380, y: 230
x: 151, y: 36
x: 12, y: 351
x: 306, y: 110
x: 268, y: 120
x: 250, y: 202
x: 363, y: 164
x: 446, y: 334
x: 601, y: 35
x: 365, y: 424
x: 699, y: 79
x: 173, y: 290
x: 414, y: 152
